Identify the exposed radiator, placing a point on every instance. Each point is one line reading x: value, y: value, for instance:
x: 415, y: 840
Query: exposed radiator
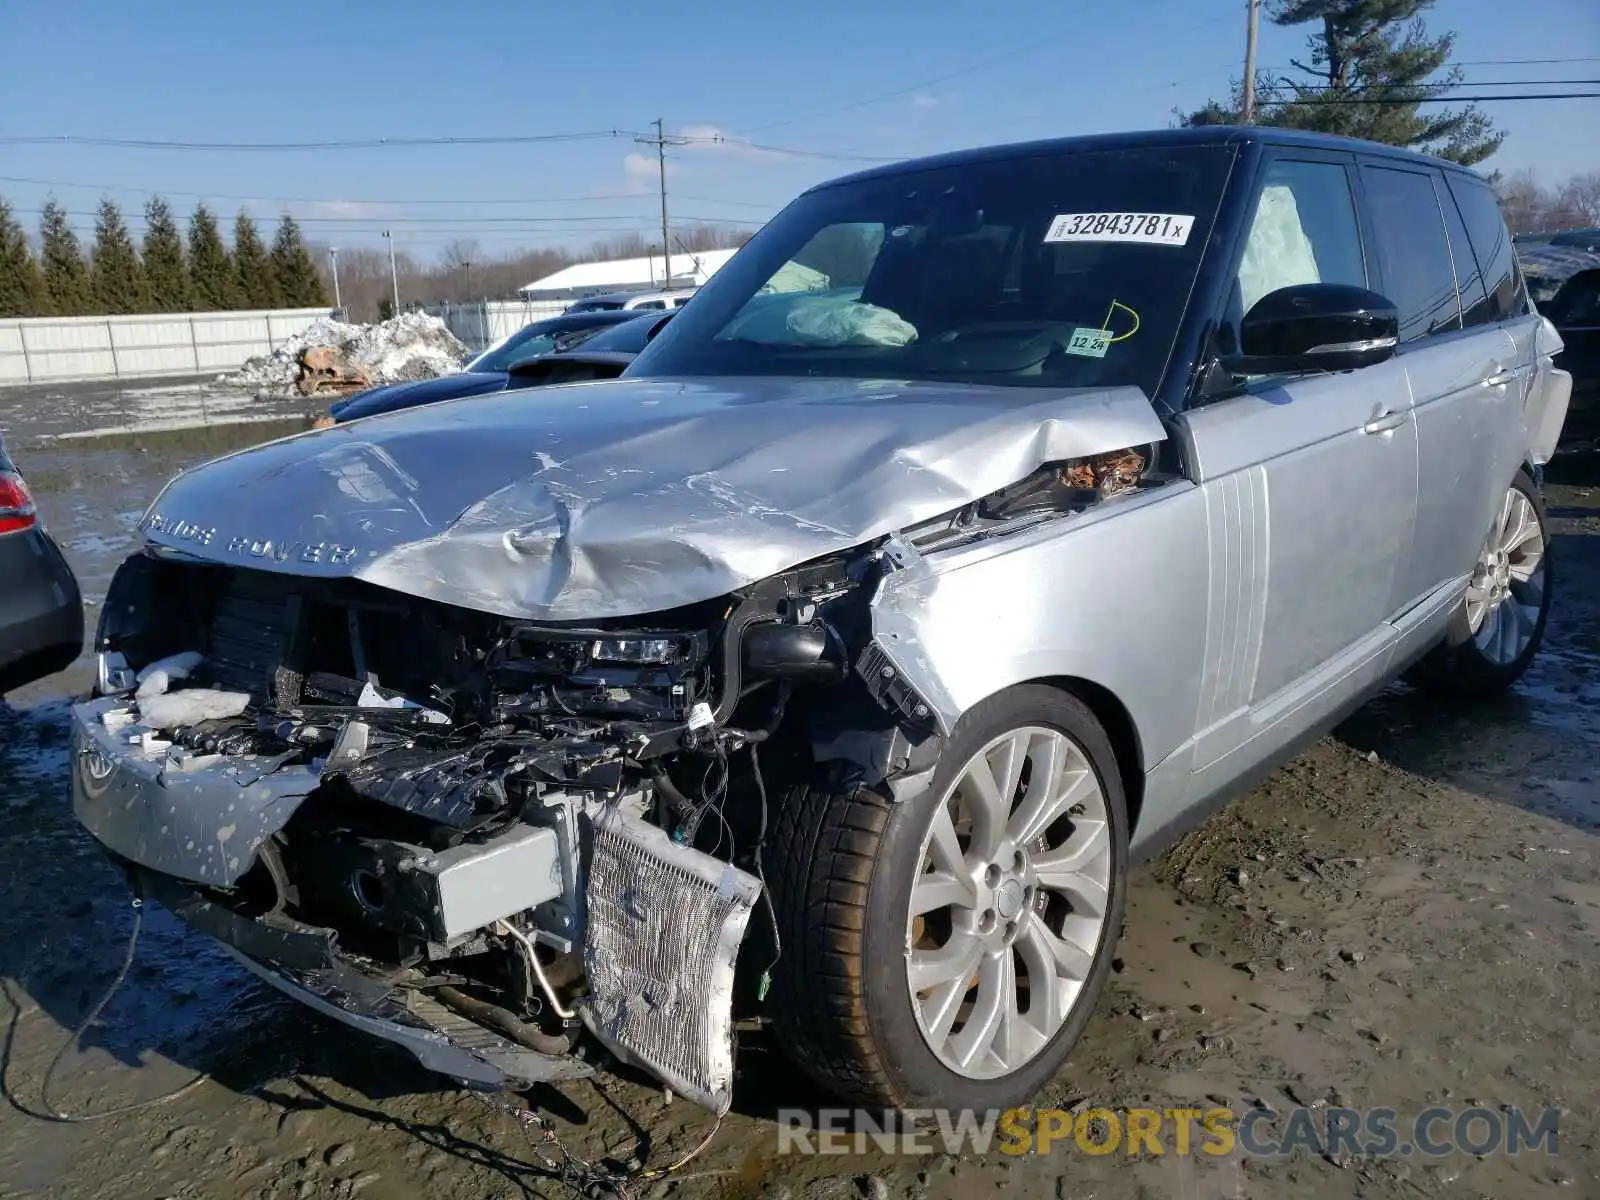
x: 663, y: 930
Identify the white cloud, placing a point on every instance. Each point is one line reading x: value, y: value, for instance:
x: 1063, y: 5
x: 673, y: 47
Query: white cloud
x: 639, y: 174
x: 924, y: 101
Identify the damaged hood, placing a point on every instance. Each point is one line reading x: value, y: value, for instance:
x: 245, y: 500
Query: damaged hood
x: 626, y: 496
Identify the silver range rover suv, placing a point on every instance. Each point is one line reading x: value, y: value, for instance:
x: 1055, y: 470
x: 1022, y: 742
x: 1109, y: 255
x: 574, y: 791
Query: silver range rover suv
x: 981, y: 524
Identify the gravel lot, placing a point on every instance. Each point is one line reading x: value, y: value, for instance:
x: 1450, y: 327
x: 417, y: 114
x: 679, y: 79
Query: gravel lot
x: 1406, y: 915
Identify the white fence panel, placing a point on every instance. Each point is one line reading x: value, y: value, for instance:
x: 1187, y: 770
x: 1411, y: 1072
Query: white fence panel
x: 486, y: 323
x: 62, y: 349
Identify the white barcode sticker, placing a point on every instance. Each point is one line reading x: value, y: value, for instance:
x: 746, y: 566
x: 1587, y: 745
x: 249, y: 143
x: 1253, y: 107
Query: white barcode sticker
x: 1161, y: 229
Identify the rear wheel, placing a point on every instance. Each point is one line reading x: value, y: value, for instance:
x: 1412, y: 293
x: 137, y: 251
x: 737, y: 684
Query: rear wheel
x: 1499, y: 626
x: 947, y: 951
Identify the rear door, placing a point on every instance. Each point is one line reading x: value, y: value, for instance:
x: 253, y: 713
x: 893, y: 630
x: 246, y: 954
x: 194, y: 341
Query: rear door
x: 1460, y: 366
x: 1512, y: 308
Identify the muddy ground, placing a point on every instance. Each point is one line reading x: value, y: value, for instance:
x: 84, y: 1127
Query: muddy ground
x: 1406, y: 915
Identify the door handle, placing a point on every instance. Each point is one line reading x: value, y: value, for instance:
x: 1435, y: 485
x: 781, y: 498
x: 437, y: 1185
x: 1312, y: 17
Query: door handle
x: 1501, y: 378
x: 1383, y: 424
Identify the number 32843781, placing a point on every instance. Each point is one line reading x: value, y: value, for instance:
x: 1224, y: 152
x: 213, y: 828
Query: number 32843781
x: 1163, y: 229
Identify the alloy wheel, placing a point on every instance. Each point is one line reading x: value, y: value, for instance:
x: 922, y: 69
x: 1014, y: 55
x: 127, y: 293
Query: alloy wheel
x: 1507, y: 589
x: 1009, y: 902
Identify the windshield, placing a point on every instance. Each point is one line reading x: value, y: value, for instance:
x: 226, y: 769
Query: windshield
x: 1061, y: 270
x: 542, y: 337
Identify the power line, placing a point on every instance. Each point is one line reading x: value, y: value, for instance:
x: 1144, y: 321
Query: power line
x: 1328, y: 87
x: 1004, y: 56
x: 1485, y: 62
x: 365, y: 144
x: 453, y: 220
x: 723, y: 139
x: 1444, y: 99
x: 388, y: 203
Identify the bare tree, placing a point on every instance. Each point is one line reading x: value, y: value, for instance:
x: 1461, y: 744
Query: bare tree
x: 467, y: 272
x: 457, y: 260
x: 1580, y: 197
x: 1530, y: 207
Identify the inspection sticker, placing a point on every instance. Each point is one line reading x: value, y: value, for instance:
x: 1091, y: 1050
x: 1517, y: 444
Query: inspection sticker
x: 1161, y: 229
x: 1091, y: 343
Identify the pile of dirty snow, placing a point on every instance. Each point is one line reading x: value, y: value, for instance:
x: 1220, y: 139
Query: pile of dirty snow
x: 410, y: 346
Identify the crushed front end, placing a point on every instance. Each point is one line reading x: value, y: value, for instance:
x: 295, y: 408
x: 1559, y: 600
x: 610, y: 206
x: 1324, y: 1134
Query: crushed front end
x: 475, y: 836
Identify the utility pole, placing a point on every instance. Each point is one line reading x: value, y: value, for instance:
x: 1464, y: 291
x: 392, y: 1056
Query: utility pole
x: 333, y: 255
x: 394, y: 275
x: 1250, y: 63
x: 661, y: 141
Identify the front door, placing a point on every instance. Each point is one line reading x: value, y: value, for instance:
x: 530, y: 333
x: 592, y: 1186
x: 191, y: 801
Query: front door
x: 1310, y: 485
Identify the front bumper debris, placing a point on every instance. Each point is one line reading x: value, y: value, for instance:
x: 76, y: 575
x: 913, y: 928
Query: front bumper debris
x: 304, y: 964
x: 199, y: 817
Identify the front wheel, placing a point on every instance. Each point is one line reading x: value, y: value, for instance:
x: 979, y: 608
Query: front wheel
x: 947, y: 951
x: 1498, y: 627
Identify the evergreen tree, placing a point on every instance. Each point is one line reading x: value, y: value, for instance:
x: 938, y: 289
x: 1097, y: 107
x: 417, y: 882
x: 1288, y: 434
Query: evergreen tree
x: 254, y: 278
x: 115, y: 273
x: 299, y: 285
x: 66, y: 278
x: 165, y: 272
x: 210, y: 268
x: 1368, y: 50
x: 22, y: 291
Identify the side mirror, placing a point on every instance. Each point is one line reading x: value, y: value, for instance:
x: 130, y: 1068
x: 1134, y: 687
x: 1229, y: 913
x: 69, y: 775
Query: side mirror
x: 1315, y: 327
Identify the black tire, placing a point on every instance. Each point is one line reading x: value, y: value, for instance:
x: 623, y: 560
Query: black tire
x: 1457, y: 669
x: 840, y: 869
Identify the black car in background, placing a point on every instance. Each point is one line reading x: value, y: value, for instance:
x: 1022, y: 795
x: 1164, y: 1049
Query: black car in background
x: 41, y: 610
x: 1575, y: 312
x: 600, y: 354
x: 486, y: 373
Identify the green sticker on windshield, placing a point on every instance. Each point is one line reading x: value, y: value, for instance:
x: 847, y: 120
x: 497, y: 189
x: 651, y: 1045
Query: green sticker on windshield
x: 1090, y: 343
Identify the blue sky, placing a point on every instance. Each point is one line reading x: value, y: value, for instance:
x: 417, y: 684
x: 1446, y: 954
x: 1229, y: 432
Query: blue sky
x: 892, y: 78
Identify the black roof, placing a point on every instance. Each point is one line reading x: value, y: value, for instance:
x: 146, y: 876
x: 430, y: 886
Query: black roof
x: 1200, y: 135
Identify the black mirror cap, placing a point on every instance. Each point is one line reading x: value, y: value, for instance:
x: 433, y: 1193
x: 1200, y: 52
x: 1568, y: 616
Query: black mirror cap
x: 1316, y: 327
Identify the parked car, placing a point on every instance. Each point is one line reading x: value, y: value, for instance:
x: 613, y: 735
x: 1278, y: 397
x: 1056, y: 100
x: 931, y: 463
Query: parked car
x: 1582, y: 239
x: 629, y: 301
x: 599, y: 352
x: 983, y: 523
x: 1545, y: 268
x: 41, y: 611
x: 489, y: 372
x: 1575, y: 312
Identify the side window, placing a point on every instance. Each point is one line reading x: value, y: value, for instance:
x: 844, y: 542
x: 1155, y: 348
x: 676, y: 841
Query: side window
x: 1486, y: 230
x: 1416, y: 257
x: 1304, y: 231
x: 1476, y: 306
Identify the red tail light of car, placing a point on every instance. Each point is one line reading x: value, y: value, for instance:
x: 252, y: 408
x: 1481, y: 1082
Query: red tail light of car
x: 16, y: 504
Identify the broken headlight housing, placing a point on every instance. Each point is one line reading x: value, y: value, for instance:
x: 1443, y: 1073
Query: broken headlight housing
x: 637, y: 651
